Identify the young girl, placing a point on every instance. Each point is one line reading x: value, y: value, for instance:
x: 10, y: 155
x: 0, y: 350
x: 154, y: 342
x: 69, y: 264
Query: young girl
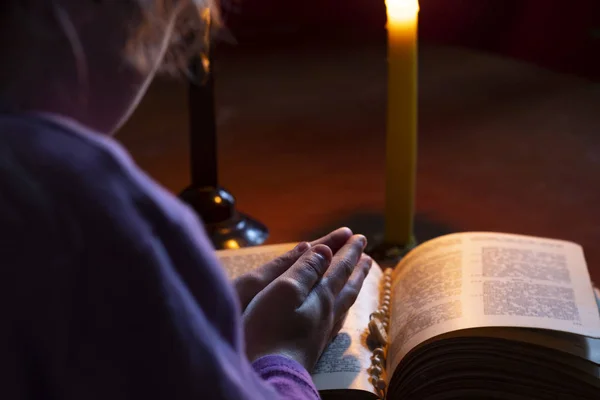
x: 109, y: 287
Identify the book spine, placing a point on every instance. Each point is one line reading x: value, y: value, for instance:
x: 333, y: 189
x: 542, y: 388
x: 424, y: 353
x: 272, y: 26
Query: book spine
x: 378, y: 331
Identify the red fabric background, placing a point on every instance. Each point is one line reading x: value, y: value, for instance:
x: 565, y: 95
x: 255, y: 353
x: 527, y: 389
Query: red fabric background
x: 559, y: 35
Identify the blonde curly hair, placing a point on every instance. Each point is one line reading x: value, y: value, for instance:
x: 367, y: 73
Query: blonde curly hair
x: 187, y: 23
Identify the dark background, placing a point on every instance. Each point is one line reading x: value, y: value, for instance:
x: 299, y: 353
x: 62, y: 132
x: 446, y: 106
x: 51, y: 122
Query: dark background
x: 508, y: 118
x: 559, y: 35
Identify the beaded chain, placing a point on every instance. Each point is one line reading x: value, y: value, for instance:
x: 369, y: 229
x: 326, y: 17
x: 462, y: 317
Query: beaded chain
x: 378, y: 330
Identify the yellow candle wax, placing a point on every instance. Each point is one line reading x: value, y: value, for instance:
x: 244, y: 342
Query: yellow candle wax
x: 401, y: 140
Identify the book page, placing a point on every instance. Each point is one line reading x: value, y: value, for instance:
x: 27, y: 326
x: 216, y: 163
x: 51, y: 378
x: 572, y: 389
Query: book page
x: 344, y: 363
x: 584, y: 347
x: 239, y: 261
x: 472, y: 280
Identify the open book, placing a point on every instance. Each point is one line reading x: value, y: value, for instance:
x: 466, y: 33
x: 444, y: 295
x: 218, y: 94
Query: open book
x: 467, y: 316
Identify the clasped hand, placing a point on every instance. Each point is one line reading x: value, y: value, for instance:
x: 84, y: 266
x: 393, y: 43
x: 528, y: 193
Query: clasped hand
x: 295, y: 304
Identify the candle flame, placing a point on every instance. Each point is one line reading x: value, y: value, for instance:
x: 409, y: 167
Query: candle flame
x: 401, y: 10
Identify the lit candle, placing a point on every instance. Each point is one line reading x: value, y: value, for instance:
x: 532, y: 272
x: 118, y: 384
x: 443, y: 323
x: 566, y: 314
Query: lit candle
x: 401, y: 142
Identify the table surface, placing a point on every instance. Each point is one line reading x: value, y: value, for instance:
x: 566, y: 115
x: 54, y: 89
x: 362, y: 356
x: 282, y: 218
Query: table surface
x: 503, y: 145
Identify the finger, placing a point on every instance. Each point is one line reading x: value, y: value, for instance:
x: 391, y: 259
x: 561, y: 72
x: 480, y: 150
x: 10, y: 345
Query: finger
x: 334, y: 240
x: 249, y: 285
x: 343, y: 264
x: 351, y: 290
x: 308, y: 270
x: 338, y: 326
x: 274, y: 268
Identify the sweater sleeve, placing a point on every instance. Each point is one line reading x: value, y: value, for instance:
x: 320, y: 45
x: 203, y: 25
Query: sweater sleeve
x: 288, y: 377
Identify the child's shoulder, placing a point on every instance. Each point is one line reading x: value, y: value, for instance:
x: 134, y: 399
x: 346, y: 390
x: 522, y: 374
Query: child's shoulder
x: 35, y: 166
x: 54, y: 146
x: 63, y: 157
x: 54, y: 177
x: 64, y: 181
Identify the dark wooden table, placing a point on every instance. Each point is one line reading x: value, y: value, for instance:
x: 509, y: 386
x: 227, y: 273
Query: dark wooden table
x: 504, y: 146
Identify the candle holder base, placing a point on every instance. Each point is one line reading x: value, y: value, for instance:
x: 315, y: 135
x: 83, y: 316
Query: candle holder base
x: 387, y: 255
x: 226, y: 227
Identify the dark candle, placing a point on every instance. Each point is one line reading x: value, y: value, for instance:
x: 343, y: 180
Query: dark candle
x: 202, y: 125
